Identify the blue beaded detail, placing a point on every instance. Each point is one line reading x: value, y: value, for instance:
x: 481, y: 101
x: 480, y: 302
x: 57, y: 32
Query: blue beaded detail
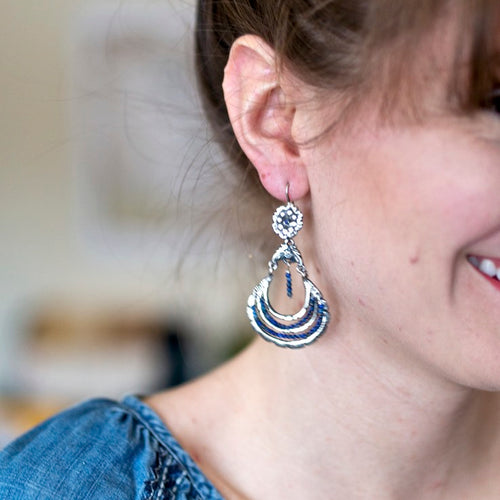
x: 295, y: 330
x: 311, y: 320
x: 300, y: 323
x: 288, y: 283
x: 287, y: 336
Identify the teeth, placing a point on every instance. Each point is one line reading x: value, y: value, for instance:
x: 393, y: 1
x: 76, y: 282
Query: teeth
x: 486, y: 266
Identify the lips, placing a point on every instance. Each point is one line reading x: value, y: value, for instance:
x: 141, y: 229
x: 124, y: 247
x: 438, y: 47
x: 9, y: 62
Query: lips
x: 487, y: 266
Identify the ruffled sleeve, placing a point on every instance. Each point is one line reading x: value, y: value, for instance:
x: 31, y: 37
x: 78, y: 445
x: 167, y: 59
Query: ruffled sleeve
x: 101, y: 449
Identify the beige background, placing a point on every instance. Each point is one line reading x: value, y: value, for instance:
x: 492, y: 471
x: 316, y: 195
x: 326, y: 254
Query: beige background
x: 47, y: 263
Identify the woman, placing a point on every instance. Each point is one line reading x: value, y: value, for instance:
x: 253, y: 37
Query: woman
x: 379, y: 120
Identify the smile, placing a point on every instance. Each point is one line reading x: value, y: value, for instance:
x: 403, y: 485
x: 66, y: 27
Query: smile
x: 487, y: 267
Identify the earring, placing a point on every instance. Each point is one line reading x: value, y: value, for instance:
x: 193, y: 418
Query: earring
x: 306, y: 325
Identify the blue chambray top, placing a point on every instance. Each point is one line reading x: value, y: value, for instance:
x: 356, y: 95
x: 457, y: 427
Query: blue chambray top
x: 101, y: 449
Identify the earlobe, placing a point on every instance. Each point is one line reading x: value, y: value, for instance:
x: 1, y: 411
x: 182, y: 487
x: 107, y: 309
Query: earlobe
x: 262, y: 114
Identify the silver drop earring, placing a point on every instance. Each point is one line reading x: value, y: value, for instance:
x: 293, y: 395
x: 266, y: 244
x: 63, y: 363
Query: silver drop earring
x: 306, y: 325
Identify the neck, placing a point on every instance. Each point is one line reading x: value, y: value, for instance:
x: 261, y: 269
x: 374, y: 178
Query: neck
x: 338, y: 416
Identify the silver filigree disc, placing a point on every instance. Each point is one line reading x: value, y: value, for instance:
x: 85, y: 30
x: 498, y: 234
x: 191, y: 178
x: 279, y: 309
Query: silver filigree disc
x: 287, y: 221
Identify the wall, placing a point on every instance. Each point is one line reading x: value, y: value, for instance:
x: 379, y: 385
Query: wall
x: 46, y: 261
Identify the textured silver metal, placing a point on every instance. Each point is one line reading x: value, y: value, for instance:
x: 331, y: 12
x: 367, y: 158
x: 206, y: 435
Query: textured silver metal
x: 288, y: 330
x: 287, y: 221
x: 289, y: 254
x: 310, y: 321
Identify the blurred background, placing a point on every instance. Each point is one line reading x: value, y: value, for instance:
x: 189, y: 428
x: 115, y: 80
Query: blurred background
x: 110, y: 283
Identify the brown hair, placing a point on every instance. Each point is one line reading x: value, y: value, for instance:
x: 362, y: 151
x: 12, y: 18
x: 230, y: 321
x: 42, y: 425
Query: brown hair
x: 334, y: 44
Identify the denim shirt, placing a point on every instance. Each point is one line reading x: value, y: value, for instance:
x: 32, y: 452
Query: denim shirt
x: 105, y: 450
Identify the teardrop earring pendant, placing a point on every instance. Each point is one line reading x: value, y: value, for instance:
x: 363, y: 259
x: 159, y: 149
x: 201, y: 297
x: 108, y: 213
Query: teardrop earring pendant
x: 307, y: 324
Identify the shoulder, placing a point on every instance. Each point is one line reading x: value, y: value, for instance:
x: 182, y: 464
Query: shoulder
x: 99, y: 449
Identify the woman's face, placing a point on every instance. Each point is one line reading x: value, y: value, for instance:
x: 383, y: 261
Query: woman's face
x: 403, y: 216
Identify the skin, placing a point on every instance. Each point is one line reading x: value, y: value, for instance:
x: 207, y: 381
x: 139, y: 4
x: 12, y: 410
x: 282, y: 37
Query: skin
x: 397, y: 399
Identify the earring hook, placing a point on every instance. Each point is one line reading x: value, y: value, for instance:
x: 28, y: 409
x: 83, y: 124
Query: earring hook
x: 287, y: 188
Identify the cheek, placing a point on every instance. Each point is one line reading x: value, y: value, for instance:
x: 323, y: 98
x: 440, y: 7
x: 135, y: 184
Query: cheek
x: 405, y: 185
x: 401, y: 211
x: 393, y: 222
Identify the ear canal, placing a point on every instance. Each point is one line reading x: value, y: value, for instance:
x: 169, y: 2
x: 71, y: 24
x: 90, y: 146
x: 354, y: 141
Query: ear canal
x: 277, y: 115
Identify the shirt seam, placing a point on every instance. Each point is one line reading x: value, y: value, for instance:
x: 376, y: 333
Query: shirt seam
x: 148, y: 419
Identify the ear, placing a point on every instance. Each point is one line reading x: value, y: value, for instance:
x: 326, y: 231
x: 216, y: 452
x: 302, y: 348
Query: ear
x: 262, y: 112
